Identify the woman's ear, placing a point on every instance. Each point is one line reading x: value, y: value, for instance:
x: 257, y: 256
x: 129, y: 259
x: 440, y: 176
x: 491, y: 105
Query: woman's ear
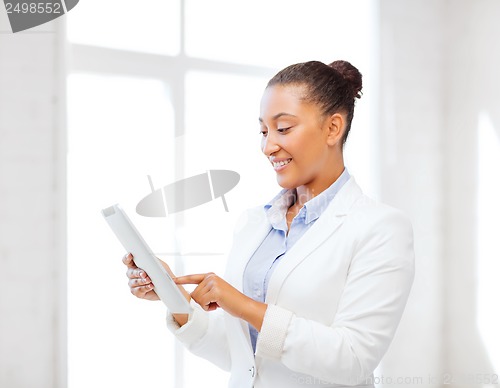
x: 336, y: 128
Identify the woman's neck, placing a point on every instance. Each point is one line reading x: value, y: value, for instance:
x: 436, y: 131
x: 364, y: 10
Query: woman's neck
x: 310, y: 190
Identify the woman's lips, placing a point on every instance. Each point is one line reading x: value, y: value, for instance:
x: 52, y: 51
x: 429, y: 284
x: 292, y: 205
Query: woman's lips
x: 281, y: 164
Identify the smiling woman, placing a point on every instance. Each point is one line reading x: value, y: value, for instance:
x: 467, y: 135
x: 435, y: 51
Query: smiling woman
x: 196, y: 54
x: 318, y: 278
x: 311, y: 109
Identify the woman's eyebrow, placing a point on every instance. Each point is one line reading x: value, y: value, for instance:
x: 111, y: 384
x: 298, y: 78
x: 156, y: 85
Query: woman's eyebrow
x: 277, y: 116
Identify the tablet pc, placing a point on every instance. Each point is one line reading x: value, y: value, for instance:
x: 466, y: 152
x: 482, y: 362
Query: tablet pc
x: 144, y: 258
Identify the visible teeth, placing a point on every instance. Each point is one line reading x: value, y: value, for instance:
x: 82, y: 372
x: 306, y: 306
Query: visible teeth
x: 278, y: 164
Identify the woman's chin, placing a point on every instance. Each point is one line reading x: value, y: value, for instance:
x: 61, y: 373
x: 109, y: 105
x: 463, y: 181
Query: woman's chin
x: 286, y: 183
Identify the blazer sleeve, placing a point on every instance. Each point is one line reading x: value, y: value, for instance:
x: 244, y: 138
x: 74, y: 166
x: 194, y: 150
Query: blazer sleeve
x: 378, y: 283
x: 204, y: 335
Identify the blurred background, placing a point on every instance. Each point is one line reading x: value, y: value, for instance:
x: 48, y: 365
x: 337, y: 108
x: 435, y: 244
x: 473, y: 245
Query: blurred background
x: 93, y: 102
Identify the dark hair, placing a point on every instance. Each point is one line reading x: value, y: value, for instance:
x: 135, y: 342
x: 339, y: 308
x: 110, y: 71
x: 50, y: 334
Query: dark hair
x: 333, y: 87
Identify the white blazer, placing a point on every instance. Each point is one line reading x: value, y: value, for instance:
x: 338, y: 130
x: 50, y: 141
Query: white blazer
x: 334, y: 300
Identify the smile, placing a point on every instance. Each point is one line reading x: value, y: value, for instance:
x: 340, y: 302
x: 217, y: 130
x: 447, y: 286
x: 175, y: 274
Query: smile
x: 281, y: 163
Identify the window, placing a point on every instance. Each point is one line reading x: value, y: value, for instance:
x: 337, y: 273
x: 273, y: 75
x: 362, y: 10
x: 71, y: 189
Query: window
x: 120, y: 130
x: 151, y: 26
x: 174, y: 91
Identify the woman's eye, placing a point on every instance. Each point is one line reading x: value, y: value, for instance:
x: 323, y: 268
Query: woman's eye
x: 281, y: 130
x: 263, y: 133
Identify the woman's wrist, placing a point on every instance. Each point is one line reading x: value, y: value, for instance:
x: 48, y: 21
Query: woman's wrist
x: 254, y: 313
x: 181, y: 319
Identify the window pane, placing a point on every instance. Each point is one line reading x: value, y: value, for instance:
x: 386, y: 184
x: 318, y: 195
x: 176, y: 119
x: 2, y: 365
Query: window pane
x: 277, y: 33
x: 222, y: 132
x: 150, y: 25
x: 120, y: 130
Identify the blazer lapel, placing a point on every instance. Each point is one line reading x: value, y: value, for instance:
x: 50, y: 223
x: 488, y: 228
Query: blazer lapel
x: 331, y: 219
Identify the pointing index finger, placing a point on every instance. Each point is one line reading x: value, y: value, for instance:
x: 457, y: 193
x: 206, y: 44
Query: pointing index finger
x: 190, y: 279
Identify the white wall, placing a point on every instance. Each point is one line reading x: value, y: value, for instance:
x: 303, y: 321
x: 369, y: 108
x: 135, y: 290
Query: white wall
x: 411, y: 171
x: 32, y: 209
x: 472, y: 86
x: 439, y: 69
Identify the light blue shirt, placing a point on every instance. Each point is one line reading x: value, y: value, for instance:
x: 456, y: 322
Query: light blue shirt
x: 274, y: 247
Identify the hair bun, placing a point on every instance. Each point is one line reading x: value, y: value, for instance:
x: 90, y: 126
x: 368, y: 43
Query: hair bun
x: 351, y: 75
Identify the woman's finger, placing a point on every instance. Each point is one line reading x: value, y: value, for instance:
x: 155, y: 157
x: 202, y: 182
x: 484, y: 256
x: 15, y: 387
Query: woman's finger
x: 128, y: 260
x: 133, y: 273
x: 200, y: 293
x: 206, y: 292
x: 139, y: 282
x: 191, y: 279
x: 140, y: 292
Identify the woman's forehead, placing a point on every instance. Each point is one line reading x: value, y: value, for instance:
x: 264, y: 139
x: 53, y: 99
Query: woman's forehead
x: 292, y: 90
x: 282, y: 98
x: 282, y: 94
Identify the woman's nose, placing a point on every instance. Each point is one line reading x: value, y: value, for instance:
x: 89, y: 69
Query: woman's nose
x: 269, y: 145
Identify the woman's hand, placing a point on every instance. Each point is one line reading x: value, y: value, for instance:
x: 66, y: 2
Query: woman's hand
x: 212, y: 292
x: 138, y: 280
x: 141, y: 286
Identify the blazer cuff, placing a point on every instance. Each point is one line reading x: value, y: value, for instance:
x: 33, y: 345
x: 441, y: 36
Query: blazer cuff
x: 194, y: 329
x: 273, y: 332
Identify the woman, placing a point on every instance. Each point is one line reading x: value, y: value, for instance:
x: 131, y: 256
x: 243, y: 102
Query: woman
x: 318, y: 278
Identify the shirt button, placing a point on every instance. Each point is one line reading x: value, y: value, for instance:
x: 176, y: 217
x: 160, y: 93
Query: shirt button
x: 258, y: 293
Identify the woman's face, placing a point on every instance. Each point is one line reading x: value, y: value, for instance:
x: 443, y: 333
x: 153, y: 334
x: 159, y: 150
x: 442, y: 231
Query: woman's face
x: 296, y: 137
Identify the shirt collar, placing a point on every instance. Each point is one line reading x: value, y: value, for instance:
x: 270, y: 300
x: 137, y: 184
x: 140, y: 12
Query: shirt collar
x: 277, y: 207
